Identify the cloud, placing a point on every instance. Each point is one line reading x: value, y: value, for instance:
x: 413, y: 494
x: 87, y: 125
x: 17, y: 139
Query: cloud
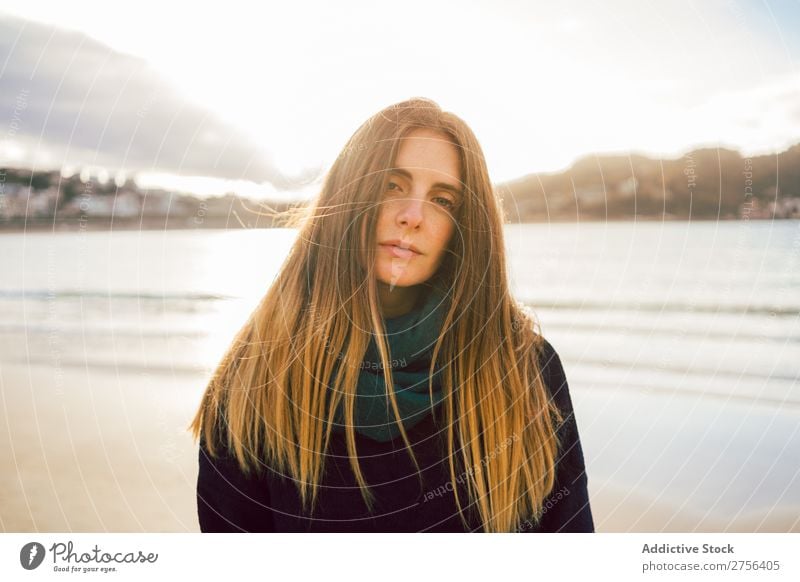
x: 75, y: 101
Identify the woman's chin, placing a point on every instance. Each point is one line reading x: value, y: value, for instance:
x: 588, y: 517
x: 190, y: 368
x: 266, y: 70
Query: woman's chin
x: 400, y: 278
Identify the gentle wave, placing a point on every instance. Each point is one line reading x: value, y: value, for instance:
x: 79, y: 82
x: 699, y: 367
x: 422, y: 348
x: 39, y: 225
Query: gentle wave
x: 634, y: 306
x: 693, y: 371
x: 86, y: 329
x: 121, y: 366
x: 46, y: 294
x: 655, y: 331
x: 117, y: 366
x: 698, y: 393
x: 671, y: 307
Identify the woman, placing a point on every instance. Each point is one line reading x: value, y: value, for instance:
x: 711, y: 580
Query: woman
x: 388, y: 381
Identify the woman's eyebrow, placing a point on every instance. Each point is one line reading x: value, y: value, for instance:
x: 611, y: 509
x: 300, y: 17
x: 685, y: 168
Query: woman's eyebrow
x: 455, y: 190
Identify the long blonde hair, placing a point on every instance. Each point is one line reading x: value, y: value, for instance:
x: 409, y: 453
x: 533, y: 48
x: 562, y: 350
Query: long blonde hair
x: 272, y: 395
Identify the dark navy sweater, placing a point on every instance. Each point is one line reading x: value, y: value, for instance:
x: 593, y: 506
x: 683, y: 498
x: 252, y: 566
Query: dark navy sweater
x: 227, y: 501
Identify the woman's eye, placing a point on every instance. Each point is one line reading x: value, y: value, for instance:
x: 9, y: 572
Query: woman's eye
x: 393, y: 186
x: 449, y: 204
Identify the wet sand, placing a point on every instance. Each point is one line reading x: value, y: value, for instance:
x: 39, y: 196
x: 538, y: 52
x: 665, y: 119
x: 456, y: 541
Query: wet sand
x: 96, y: 450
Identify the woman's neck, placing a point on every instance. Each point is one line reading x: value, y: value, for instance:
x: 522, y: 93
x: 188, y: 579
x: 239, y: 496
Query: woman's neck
x: 397, y: 301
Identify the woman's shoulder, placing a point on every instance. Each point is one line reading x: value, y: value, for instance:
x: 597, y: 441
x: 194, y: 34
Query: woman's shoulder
x: 545, y: 350
x: 555, y: 380
x: 550, y: 366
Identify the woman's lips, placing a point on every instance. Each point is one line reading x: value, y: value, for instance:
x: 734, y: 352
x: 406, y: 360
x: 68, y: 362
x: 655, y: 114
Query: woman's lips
x: 399, y: 252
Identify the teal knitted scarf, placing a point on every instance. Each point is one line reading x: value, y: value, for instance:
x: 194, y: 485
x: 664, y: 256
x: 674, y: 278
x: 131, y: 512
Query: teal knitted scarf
x: 411, y: 338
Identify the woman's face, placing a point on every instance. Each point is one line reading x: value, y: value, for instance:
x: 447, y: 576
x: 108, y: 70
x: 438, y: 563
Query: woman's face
x: 416, y: 214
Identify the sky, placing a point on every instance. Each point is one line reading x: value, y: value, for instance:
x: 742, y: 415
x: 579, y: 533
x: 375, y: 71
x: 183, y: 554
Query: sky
x: 262, y: 99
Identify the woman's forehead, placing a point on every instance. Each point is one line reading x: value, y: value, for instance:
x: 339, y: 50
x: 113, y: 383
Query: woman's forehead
x: 427, y: 151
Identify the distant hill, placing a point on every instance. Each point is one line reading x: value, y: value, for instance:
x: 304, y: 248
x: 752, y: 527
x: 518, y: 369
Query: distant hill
x: 703, y: 184
x: 706, y: 184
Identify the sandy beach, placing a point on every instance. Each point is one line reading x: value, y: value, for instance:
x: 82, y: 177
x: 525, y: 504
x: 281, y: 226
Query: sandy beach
x: 107, y: 451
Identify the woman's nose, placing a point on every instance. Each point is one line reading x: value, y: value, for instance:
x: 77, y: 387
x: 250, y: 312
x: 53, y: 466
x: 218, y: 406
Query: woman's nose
x: 410, y: 212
